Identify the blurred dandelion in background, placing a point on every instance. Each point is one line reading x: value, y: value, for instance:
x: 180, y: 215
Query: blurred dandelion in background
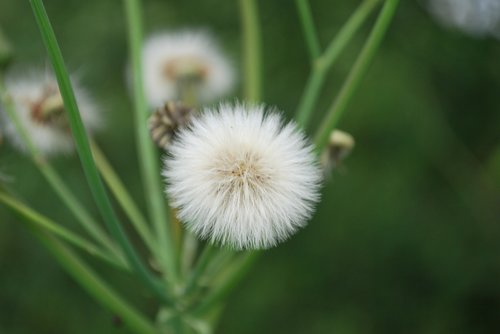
x: 240, y: 176
x: 187, y: 66
x: 475, y: 17
x: 40, y: 110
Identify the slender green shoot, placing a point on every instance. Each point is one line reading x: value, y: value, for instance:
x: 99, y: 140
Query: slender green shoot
x: 55, y: 181
x: 227, y: 282
x: 322, y: 64
x: 93, y: 284
x: 166, y: 252
x: 200, y: 267
x: 251, y: 50
x: 123, y: 197
x: 65, y: 234
x: 87, y: 160
x: 307, y: 21
x: 356, y: 74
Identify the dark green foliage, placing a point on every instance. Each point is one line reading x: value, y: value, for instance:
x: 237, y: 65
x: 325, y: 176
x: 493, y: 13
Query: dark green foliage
x: 406, y: 239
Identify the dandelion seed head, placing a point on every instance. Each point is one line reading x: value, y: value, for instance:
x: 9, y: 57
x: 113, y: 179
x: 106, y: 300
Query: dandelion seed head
x: 474, y: 17
x: 241, y: 177
x: 40, y: 110
x: 172, y: 60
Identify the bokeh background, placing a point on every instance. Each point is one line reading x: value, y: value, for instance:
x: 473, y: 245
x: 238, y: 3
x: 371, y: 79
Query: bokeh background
x: 407, y: 237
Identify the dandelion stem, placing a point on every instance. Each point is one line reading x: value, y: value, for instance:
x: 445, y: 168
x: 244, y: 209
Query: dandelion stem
x: 188, y: 251
x: 231, y: 277
x: 55, y: 180
x: 251, y: 50
x: 83, y: 148
x: 323, y: 63
x: 123, y: 197
x: 166, y: 252
x: 56, y: 229
x: 201, y: 265
x: 307, y: 21
x: 357, y: 72
x: 93, y: 284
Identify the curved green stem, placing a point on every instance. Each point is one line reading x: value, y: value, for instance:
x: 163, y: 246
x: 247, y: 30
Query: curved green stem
x: 63, y: 233
x: 87, y: 160
x: 96, y: 287
x: 251, y: 50
x: 199, y: 269
x: 55, y: 181
x: 323, y: 63
x: 228, y: 280
x: 166, y: 252
x: 307, y: 22
x: 123, y: 197
x: 357, y: 72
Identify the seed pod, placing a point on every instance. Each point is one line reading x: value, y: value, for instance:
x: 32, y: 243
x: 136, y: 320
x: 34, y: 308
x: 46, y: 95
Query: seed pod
x: 164, y: 122
x: 50, y: 110
x: 339, y: 147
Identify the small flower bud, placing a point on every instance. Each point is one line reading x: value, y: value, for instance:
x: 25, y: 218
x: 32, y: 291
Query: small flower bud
x: 165, y: 121
x: 49, y: 109
x: 339, y: 147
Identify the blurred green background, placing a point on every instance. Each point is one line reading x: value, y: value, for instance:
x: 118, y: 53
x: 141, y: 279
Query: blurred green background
x: 407, y: 237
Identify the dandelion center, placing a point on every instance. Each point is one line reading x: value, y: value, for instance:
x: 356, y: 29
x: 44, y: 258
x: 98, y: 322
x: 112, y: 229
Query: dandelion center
x: 48, y: 110
x: 239, y: 175
x: 185, y: 68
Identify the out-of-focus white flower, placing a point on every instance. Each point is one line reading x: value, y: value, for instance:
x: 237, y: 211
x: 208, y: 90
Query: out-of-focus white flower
x: 241, y: 177
x: 177, y: 65
x: 475, y: 17
x: 40, y: 109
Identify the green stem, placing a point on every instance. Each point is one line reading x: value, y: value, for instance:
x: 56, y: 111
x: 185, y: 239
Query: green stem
x: 55, y: 181
x: 251, y: 50
x: 77, y: 208
x: 166, y: 251
x: 83, y: 148
x: 200, y: 267
x: 49, y: 225
x: 227, y: 282
x: 123, y: 197
x: 307, y: 21
x: 89, y: 280
x: 188, y: 252
x: 323, y: 63
x: 357, y: 72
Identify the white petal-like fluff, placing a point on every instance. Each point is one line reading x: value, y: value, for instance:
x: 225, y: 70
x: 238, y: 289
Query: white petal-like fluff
x: 50, y: 140
x: 475, y: 17
x: 162, y: 49
x: 241, y: 177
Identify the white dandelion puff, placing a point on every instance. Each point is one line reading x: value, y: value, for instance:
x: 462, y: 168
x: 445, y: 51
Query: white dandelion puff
x: 474, y: 17
x: 40, y: 110
x: 241, y: 177
x: 185, y: 63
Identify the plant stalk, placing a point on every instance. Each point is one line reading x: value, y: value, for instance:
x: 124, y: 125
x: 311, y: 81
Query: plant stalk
x: 323, y: 63
x: 85, y: 154
x: 356, y: 74
x: 251, y: 50
x: 148, y: 157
